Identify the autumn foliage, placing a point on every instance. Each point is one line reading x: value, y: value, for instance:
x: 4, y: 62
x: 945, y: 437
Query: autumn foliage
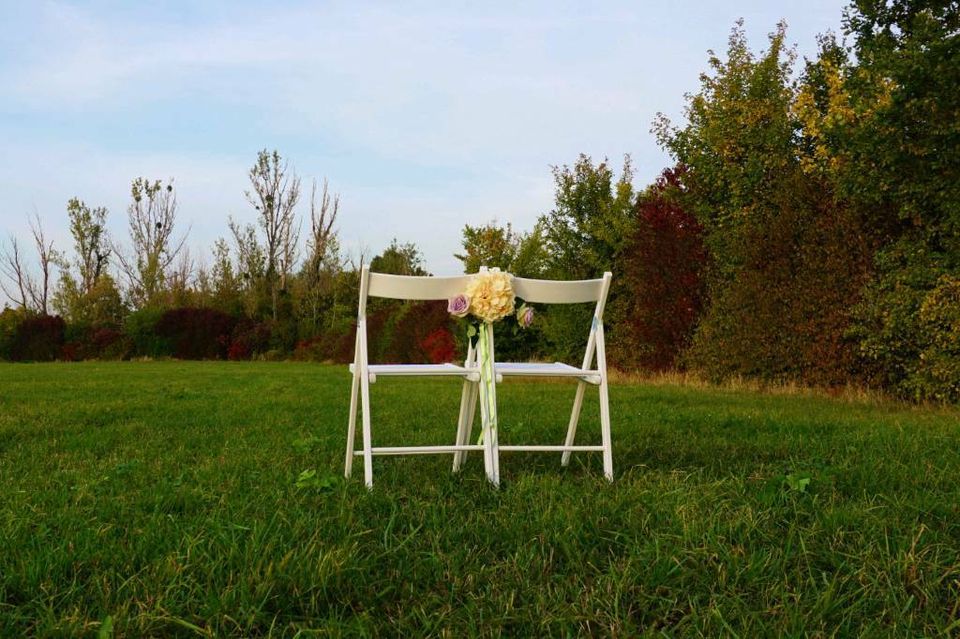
x: 663, y: 273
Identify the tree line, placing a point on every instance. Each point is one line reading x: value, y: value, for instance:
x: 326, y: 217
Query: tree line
x: 809, y: 230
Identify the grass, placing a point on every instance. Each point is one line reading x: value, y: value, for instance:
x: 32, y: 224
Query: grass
x: 161, y: 498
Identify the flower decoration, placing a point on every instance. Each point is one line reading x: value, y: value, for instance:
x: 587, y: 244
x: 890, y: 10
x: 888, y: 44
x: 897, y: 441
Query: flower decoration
x: 488, y: 298
x: 525, y: 316
x: 491, y: 295
x: 459, y: 306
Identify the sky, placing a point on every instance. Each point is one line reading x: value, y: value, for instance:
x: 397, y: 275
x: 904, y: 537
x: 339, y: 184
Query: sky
x: 423, y: 116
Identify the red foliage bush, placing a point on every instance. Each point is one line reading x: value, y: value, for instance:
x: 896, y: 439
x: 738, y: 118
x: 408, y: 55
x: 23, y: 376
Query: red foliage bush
x: 70, y: 352
x: 84, y: 342
x: 249, y: 339
x: 786, y: 311
x: 335, y: 347
x: 38, y: 339
x: 663, y: 279
x: 197, y: 333
x: 439, y: 346
x: 397, y: 332
x: 108, y: 343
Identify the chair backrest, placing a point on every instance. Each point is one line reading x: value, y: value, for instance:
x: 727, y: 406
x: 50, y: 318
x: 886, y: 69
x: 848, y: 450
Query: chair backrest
x: 414, y: 287
x: 408, y: 287
x: 559, y: 291
x: 572, y: 292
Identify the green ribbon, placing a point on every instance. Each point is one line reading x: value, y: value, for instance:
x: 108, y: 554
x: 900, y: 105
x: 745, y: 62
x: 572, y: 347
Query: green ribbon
x: 487, y: 380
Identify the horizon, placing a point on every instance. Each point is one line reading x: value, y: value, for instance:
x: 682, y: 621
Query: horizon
x: 423, y: 120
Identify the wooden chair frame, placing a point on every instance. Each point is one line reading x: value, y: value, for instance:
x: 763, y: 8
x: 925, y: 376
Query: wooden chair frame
x: 364, y: 374
x: 443, y: 288
x: 553, y: 292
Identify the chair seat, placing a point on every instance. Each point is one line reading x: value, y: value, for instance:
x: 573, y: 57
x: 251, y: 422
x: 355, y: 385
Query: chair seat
x: 421, y: 370
x: 545, y: 369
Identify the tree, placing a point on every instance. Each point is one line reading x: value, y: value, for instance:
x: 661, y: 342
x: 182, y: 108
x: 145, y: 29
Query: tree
x: 739, y: 140
x: 788, y: 253
x: 91, y: 258
x: 522, y: 254
x: 47, y: 256
x: 88, y: 228
x: 225, y: 281
x: 22, y: 287
x: 14, y: 270
x: 584, y: 235
x: 399, y: 259
x: 323, y: 260
x: 883, y: 130
x: 101, y: 307
x: 907, y: 76
x: 275, y: 194
x: 664, y: 264
x: 590, y: 220
x: 180, y: 280
x: 152, y: 219
x: 251, y: 269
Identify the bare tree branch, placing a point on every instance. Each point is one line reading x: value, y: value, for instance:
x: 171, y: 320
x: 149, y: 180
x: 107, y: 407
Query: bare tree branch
x: 40, y: 291
x: 275, y: 194
x: 321, y: 223
x: 152, y: 218
x: 12, y: 268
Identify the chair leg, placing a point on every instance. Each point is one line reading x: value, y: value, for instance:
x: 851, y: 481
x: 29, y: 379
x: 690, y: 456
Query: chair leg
x: 461, y: 419
x: 605, y: 430
x: 367, y: 440
x: 574, y: 419
x: 485, y: 430
x: 463, y: 426
x: 351, y: 424
x: 488, y: 398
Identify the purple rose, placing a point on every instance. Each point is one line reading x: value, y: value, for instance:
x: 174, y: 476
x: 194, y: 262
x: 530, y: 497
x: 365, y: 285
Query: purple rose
x: 459, y: 306
x: 525, y: 316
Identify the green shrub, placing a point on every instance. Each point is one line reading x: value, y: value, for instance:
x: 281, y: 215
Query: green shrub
x: 902, y: 323
x: 938, y: 369
x: 197, y: 333
x: 141, y: 328
x: 10, y: 320
x: 784, y: 313
x: 38, y: 339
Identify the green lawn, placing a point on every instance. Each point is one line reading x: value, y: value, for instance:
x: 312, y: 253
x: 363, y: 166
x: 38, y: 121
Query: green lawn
x: 163, y: 496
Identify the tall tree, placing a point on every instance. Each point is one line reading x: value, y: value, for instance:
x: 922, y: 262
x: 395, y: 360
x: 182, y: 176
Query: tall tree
x: 251, y: 269
x: 399, y: 259
x: 663, y: 271
x: 88, y: 228
x: 323, y: 259
x: 738, y: 141
x: 591, y: 218
x: 322, y: 219
x: 154, y: 245
x: 275, y: 192
x: 22, y: 287
x: 584, y: 235
x: 47, y: 257
x: 899, y: 156
x: 491, y: 245
x: 79, y: 277
x: 14, y: 269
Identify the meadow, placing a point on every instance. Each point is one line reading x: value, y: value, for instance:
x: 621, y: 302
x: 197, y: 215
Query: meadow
x: 169, y: 499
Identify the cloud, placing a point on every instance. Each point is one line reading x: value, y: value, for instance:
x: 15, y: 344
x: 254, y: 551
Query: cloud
x: 425, y: 116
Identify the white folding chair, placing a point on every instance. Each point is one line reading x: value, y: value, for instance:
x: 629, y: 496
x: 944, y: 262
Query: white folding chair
x: 404, y: 287
x: 558, y: 292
